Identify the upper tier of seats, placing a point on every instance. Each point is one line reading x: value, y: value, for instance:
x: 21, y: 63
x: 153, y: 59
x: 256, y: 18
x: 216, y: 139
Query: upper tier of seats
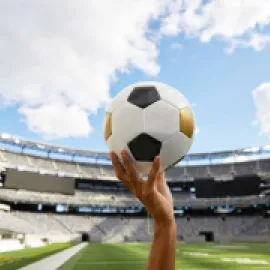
x: 99, y: 171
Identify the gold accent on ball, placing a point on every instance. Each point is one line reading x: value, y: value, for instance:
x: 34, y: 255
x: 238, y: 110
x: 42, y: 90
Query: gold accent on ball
x: 186, y: 122
x: 107, y: 126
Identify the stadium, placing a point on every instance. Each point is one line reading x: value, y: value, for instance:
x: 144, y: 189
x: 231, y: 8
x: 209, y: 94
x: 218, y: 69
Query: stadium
x: 63, y: 208
x: 98, y: 96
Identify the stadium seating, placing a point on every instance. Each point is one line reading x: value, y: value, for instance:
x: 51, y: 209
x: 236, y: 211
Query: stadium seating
x: 119, y: 199
x: 115, y: 229
x: 67, y: 167
x: 14, y: 158
x: 13, y: 223
x: 175, y: 173
x: 265, y: 165
x: 79, y: 198
x: 221, y: 169
x: 198, y: 171
x: 105, y: 171
x: 246, y: 168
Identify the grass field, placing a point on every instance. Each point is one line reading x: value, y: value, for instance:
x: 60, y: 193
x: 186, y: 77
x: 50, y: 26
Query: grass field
x: 16, y: 259
x: 189, y: 256
x: 134, y: 257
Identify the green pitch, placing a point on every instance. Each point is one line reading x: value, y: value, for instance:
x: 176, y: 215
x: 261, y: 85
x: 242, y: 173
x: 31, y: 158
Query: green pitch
x: 192, y: 257
x: 16, y: 259
x: 134, y: 257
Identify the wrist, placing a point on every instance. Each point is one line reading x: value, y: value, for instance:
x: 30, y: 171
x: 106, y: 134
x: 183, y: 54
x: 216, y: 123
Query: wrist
x: 168, y: 223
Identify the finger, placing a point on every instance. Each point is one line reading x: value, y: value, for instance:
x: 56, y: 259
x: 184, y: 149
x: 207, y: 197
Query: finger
x: 119, y: 171
x: 160, y: 182
x: 153, y: 175
x: 129, y: 167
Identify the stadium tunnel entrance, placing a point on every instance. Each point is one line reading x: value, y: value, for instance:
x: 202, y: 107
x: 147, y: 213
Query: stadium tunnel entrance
x: 209, y: 236
x: 85, y: 237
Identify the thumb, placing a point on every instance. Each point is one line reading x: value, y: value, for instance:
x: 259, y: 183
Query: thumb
x: 153, y: 175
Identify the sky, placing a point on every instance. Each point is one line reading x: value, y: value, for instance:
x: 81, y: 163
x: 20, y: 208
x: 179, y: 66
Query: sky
x: 62, y: 61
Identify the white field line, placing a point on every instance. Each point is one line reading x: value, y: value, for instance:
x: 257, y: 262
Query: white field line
x: 204, y: 254
x: 245, y: 261
x: 54, y: 261
x: 112, y: 262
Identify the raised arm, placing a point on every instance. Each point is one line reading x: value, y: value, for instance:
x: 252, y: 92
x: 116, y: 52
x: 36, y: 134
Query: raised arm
x: 157, y: 199
x: 163, y: 251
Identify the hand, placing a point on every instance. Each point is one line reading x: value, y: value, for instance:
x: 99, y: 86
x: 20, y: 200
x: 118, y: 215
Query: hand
x: 154, y: 193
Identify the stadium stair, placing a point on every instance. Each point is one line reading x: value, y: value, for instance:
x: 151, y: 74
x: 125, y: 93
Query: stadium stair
x: 117, y: 233
x: 100, y: 229
x: 62, y: 224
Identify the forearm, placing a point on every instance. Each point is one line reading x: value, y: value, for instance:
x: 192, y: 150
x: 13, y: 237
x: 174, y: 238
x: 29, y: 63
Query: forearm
x: 163, y: 250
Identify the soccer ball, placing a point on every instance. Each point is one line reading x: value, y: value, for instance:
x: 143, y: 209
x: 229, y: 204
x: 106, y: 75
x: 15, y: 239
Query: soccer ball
x: 149, y: 119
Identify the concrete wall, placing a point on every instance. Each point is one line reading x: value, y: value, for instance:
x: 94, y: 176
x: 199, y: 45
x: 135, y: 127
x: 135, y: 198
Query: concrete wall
x: 10, y: 245
x: 252, y: 239
x: 54, y: 238
x: 37, y: 240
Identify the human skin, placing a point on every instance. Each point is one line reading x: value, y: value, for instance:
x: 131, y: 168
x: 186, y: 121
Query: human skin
x: 155, y: 195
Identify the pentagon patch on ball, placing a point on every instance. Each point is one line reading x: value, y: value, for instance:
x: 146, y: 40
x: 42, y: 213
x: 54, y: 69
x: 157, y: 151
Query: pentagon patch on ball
x: 149, y: 119
x: 144, y: 141
x: 144, y: 96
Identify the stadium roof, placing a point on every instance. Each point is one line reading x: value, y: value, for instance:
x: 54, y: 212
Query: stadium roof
x: 8, y: 139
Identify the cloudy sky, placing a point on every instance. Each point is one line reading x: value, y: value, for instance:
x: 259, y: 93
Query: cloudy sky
x: 62, y: 61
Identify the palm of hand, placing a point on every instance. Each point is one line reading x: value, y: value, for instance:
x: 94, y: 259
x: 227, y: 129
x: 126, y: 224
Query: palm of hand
x: 154, y: 193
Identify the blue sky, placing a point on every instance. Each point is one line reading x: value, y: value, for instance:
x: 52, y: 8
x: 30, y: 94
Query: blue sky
x: 219, y: 84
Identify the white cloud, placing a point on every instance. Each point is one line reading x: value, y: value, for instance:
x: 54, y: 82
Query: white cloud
x: 236, y: 21
x: 261, y: 99
x: 59, y: 57
x: 57, y: 120
x: 197, y: 130
x: 256, y: 41
x: 170, y: 24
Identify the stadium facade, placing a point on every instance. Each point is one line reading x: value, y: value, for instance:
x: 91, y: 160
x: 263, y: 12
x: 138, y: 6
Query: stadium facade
x: 56, y: 194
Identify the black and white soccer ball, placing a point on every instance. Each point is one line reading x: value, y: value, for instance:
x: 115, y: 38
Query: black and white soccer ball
x: 149, y: 119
